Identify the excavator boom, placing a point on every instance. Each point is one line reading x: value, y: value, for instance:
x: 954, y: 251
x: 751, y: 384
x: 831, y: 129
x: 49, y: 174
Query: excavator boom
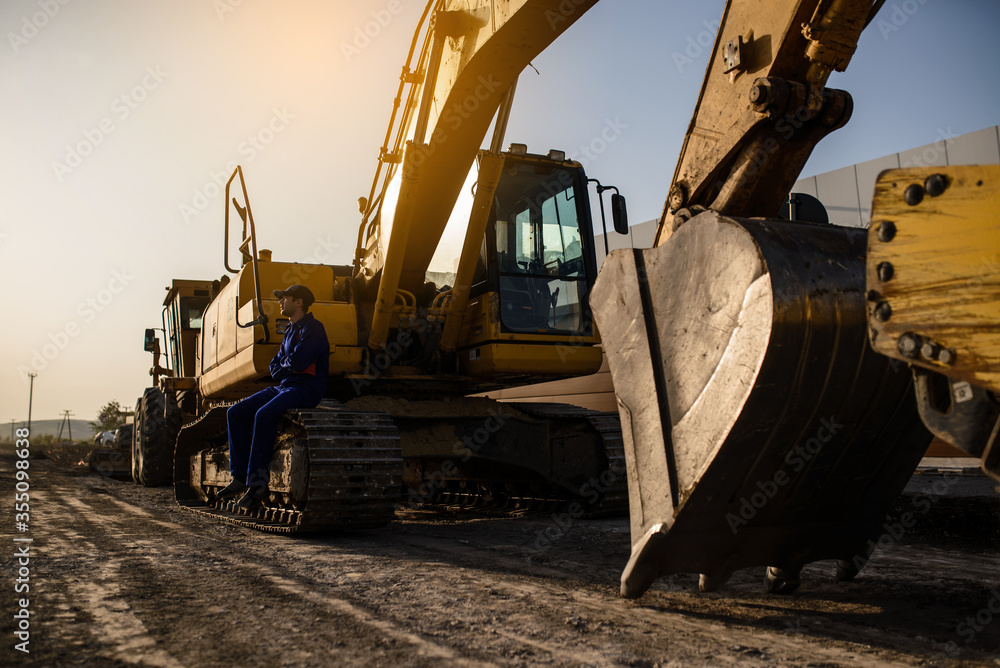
x: 475, y: 52
x: 763, y: 106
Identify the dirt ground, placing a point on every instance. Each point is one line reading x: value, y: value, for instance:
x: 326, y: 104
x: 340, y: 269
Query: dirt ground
x: 121, y: 576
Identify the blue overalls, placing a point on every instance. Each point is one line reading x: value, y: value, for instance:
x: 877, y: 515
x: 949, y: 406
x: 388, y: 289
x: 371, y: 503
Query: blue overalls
x: 301, y: 365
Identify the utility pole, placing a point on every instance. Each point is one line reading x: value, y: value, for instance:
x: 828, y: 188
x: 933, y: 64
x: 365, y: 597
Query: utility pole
x: 31, y: 392
x: 67, y: 423
x: 12, y: 431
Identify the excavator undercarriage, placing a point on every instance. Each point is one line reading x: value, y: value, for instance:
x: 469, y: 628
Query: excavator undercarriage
x: 347, y: 466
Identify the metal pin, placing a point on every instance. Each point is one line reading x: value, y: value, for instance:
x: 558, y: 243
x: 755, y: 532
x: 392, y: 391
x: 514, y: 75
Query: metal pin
x: 886, y: 231
x: 907, y: 345
x: 885, y: 271
x: 883, y: 311
x: 935, y: 184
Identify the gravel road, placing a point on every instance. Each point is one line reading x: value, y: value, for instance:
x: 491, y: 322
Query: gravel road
x: 119, y: 575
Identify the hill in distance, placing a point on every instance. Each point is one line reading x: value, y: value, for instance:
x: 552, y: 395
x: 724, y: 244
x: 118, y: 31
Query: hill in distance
x: 81, y: 429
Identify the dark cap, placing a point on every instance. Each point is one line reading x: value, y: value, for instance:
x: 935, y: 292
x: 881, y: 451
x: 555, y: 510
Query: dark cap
x: 297, y: 292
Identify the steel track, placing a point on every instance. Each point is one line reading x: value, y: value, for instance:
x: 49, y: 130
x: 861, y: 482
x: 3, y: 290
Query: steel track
x: 612, y: 482
x: 354, y: 473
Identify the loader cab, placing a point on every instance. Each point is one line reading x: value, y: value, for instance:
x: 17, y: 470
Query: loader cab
x: 541, y: 240
x: 183, y: 308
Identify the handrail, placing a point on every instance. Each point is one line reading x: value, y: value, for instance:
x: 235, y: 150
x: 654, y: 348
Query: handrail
x: 246, y: 214
x: 406, y: 76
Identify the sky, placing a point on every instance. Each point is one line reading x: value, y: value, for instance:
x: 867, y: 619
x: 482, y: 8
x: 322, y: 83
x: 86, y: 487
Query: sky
x: 120, y: 117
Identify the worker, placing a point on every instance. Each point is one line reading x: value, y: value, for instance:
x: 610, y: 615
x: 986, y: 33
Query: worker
x: 300, y: 367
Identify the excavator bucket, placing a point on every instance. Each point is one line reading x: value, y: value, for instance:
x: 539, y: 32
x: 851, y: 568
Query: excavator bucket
x: 760, y: 429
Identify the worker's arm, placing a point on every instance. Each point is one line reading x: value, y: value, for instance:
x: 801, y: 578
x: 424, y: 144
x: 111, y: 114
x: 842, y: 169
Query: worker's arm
x: 300, y: 356
x: 278, y: 371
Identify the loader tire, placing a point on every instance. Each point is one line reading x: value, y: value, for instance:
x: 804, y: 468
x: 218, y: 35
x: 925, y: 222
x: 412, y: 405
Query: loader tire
x: 136, y: 430
x: 157, y: 422
x: 123, y: 438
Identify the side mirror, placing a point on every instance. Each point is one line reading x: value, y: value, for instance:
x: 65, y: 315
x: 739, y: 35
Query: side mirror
x: 619, y: 214
x: 149, y: 343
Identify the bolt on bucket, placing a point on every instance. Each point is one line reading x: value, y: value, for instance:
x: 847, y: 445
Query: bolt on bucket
x: 760, y: 429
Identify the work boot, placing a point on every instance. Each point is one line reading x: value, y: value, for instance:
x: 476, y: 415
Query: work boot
x: 230, y: 490
x: 253, y: 498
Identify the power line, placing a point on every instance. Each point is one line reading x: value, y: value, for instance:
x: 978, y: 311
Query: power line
x: 31, y: 394
x: 67, y: 423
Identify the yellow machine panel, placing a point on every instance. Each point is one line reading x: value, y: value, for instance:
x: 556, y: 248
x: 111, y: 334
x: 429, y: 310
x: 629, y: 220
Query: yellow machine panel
x: 234, y: 356
x: 515, y: 358
x: 279, y: 275
x: 933, y: 270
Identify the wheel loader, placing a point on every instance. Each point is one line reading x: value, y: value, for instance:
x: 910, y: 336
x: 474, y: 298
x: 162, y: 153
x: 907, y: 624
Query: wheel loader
x: 758, y: 426
x: 172, y: 399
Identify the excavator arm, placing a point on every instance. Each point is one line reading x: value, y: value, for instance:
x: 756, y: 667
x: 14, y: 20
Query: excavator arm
x: 933, y: 295
x: 763, y: 106
x: 760, y: 428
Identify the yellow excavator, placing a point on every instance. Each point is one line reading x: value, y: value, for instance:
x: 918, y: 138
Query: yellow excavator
x: 410, y: 336
x: 758, y: 426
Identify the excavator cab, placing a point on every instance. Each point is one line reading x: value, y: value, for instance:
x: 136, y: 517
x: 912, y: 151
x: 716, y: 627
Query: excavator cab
x: 541, y: 236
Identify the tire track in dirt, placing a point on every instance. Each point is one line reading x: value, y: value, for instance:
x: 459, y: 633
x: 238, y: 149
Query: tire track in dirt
x: 437, y: 590
x: 602, y: 606
x: 103, y: 600
x: 339, y: 606
x: 97, y: 594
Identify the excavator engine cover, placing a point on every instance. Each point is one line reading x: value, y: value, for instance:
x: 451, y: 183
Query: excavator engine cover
x: 760, y: 429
